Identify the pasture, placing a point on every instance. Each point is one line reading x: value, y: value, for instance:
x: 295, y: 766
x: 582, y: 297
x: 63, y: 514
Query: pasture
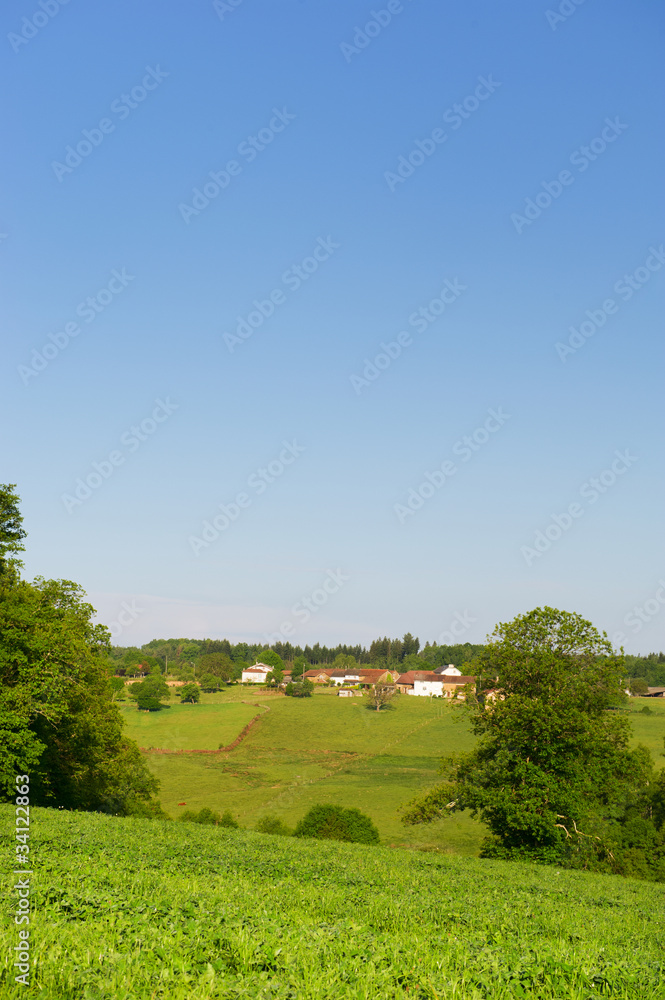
x: 324, y: 749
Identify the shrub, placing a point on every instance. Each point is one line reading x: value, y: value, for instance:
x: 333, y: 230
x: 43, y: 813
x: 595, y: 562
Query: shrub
x: 228, y: 820
x: 208, y: 818
x: 299, y: 689
x: 337, y: 823
x: 273, y: 824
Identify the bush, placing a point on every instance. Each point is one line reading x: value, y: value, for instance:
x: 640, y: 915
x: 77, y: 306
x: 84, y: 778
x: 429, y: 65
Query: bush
x: 299, y: 689
x: 190, y: 693
x: 208, y: 818
x: 274, y: 825
x: 337, y: 823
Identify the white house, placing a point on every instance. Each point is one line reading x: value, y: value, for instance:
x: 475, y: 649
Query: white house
x: 256, y: 674
x: 345, y: 677
x: 449, y: 671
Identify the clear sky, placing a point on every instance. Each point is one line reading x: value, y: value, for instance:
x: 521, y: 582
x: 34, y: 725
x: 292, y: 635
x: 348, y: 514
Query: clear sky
x: 330, y: 241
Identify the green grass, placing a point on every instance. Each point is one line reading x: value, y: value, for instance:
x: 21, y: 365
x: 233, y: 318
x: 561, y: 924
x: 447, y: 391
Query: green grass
x: 188, y: 727
x: 129, y: 909
x: 649, y: 729
x: 333, y: 750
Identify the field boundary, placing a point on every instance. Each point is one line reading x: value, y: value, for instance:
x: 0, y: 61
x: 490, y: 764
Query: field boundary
x: 231, y: 746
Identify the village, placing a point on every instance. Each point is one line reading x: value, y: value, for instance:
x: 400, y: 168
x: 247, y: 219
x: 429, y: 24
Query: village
x: 443, y: 682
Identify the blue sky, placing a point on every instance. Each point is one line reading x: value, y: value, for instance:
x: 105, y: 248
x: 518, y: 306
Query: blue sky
x: 529, y: 202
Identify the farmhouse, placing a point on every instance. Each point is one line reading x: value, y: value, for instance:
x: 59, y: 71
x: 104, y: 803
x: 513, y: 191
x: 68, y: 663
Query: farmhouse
x: 422, y: 683
x: 656, y: 692
x: 319, y: 676
x: 450, y: 671
x: 256, y: 674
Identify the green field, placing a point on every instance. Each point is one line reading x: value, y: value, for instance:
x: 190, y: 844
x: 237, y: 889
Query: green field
x: 326, y: 749
x: 131, y: 909
x: 189, y: 727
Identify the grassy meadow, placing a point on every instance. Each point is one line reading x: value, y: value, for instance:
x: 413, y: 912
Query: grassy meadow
x: 133, y: 909
x: 323, y: 749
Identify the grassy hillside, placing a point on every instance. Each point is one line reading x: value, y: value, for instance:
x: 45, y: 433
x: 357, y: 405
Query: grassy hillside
x: 188, y: 727
x: 324, y: 749
x: 128, y: 909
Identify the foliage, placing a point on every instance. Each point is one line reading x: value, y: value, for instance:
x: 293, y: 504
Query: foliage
x: 328, y: 822
x: 638, y: 686
x: 299, y: 689
x: 273, y: 824
x: 219, y: 665
x: 299, y: 667
x: 12, y: 532
x: 150, y: 693
x: 379, y: 696
x: 551, y: 774
x: 57, y: 718
x: 344, y: 661
x: 190, y: 693
x: 208, y: 682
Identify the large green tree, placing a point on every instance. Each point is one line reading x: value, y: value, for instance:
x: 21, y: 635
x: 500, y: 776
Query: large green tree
x: 552, y: 771
x: 58, y: 722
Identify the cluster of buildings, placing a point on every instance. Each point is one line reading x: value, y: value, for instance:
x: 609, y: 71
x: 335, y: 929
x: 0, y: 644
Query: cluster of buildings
x: 443, y: 682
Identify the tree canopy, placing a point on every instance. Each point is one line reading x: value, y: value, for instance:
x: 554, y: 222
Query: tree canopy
x: 552, y: 773
x: 58, y: 721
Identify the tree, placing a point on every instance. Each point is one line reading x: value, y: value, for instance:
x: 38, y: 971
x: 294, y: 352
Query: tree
x: 299, y: 667
x: 12, y: 532
x: 552, y: 770
x: 638, y: 686
x: 344, y: 661
x: 271, y: 659
x: 299, y: 689
x: 150, y: 693
x: 379, y: 696
x: 210, y: 683
x: 218, y: 665
x: 57, y: 718
x: 336, y: 823
x: 190, y: 693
